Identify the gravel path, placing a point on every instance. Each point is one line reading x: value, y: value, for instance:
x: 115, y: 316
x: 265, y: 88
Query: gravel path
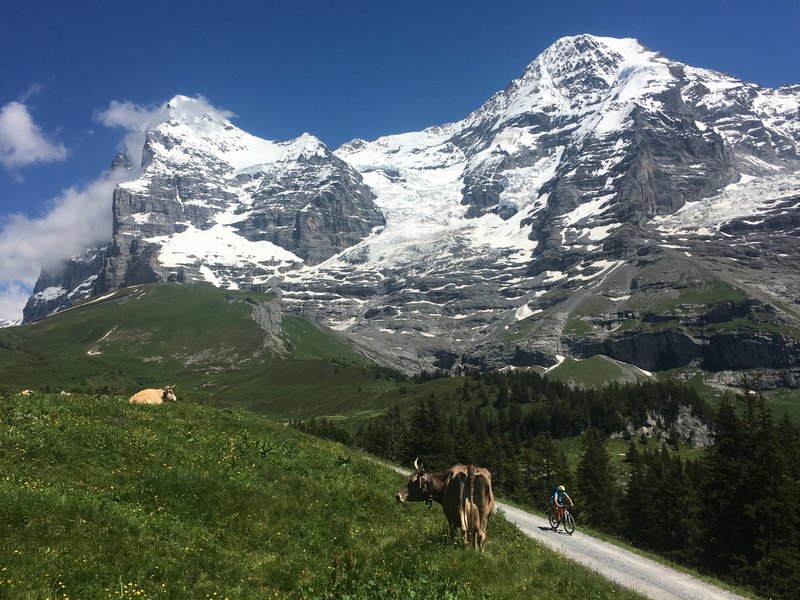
x: 621, y: 566
x: 640, y: 574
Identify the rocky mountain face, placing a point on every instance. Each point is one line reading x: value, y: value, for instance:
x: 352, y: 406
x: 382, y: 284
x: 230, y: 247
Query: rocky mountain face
x: 212, y: 202
x: 75, y: 280
x: 609, y: 201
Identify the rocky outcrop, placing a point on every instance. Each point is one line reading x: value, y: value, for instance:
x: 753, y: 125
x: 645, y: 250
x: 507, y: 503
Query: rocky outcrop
x: 684, y: 427
x: 311, y: 217
x: 58, y: 287
x: 268, y: 315
x: 697, y: 340
x: 672, y: 162
x: 768, y: 379
x: 491, y: 357
x: 747, y: 349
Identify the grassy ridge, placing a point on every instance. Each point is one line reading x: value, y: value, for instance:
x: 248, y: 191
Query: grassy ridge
x: 162, y: 332
x: 204, y: 340
x: 194, y: 333
x: 101, y: 499
x: 594, y: 371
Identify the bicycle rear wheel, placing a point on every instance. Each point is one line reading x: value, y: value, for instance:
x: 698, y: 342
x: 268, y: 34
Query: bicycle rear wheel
x: 553, y: 520
x: 569, y: 523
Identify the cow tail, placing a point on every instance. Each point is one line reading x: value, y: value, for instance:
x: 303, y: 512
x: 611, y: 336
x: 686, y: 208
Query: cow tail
x: 472, y: 533
x: 471, y: 474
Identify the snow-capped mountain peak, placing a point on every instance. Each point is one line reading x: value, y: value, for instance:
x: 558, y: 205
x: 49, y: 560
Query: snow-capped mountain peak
x: 306, y: 146
x: 192, y: 130
x: 579, y: 75
x: 588, y: 57
x: 196, y: 112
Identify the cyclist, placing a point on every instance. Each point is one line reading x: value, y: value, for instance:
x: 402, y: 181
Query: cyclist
x: 557, y: 501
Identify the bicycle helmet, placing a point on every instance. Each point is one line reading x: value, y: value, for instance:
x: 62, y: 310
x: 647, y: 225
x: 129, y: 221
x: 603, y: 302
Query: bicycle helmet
x: 561, y: 488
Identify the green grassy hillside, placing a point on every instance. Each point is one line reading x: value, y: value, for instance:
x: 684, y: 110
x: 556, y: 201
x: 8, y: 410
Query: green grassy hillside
x: 204, y: 340
x: 163, y: 331
x: 596, y: 371
x: 100, y: 499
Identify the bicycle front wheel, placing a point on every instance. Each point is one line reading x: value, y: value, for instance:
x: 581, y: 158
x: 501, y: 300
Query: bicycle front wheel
x: 569, y: 523
x: 553, y: 520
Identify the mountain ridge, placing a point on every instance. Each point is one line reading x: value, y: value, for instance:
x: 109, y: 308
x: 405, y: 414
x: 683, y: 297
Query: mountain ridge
x: 480, y: 243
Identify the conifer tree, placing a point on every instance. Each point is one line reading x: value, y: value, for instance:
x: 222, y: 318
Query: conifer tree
x: 483, y: 396
x: 562, y: 474
x: 372, y: 437
x: 637, y: 497
x: 776, y: 571
x: 466, y: 450
x: 546, y: 452
x: 394, y: 432
x: 754, y: 491
x: 502, y: 394
x: 515, y: 418
x: 729, y: 528
x: 599, y: 495
x: 676, y: 507
x: 427, y: 435
x: 530, y: 466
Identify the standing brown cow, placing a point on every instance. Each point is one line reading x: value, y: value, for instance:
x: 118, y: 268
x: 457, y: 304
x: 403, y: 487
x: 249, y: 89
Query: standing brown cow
x: 465, y: 493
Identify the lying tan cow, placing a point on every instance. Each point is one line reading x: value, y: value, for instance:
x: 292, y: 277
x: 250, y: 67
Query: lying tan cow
x: 154, y: 396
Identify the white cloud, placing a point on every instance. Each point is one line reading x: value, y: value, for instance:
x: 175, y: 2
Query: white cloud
x: 78, y: 219
x: 137, y: 119
x: 129, y: 115
x: 13, y: 296
x: 22, y: 141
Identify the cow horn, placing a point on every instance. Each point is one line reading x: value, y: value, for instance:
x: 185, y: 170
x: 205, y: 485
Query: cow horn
x: 416, y: 466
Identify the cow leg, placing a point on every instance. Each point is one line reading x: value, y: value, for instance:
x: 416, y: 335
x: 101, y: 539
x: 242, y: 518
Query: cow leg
x: 468, y: 529
x: 465, y: 523
x: 463, y: 507
x: 456, y: 532
x: 484, y: 521
x: 473, y: 524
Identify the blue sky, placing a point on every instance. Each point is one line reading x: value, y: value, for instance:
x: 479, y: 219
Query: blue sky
x: 336, y: 69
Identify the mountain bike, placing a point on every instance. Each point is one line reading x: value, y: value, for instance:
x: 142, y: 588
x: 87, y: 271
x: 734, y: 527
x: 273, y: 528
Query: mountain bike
x: 568, y: 521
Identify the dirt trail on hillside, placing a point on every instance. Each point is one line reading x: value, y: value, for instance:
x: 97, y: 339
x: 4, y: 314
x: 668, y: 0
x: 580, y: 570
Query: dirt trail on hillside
x: 621, y: 566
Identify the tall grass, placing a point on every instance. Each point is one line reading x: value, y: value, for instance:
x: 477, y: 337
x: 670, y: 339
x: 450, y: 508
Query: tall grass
x: 100, y: 499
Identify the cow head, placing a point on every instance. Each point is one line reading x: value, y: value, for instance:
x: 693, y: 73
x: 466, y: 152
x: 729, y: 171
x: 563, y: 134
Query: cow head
x: 417, y: 487
x: 168, y: 393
